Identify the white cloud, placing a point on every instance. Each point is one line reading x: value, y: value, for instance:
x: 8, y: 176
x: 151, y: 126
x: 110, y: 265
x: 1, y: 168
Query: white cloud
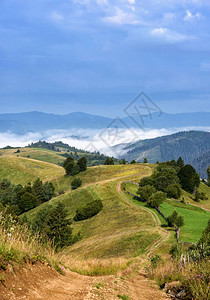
x: 87, y: 137
x: 190, y: 16
x: 56, y: 16
x: 122, y: 17
x: 169, y: 35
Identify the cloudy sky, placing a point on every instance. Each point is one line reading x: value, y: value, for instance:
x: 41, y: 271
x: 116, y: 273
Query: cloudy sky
x: 95, y: 56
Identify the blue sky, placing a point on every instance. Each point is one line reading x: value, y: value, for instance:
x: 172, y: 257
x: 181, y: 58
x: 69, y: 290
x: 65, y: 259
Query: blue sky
x: 95, y: 56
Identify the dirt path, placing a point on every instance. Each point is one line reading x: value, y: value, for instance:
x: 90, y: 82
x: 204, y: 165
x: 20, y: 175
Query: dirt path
x: 40, y: 282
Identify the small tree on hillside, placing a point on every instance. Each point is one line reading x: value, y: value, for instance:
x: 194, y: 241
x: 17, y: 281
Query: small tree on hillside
x: 57, y: 227
x: 177, y: 221
x: 38, y: 191
x: 133, y: 162
x: 145, y: 192
x: 145, y: 160
x: 156, y: 199
x: 189, y: 179
x: 109, y: 161
x: 82, y: 163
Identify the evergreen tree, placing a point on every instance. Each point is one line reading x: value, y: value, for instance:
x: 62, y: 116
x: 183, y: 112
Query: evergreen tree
x: 38, y: 191
x: 27, y: 202
x: 82, y: 163
x: 70, y: 168
x: 180, y: 162
x: 58, y: 227
x: 189, y: 179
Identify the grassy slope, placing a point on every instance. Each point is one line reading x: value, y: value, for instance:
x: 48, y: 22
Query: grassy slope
x: 22, y: 170
x: 195, y: 218
x: 119, y: 230
x: 205, y: 203
x: 34, y: 153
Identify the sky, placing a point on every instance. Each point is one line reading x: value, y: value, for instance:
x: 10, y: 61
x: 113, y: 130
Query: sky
x: 95, y: 56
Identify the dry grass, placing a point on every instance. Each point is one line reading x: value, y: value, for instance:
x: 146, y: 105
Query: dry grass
x: 193, y: 277
x: 18, y: 244
x: 21, y: 170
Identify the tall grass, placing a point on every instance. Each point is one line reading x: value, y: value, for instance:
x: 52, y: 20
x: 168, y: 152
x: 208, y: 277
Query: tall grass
x: 19, y: 244
x: 193, y: 276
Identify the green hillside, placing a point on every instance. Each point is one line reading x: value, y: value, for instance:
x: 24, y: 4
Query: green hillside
x: 34, y: 153
x: 23, y: 170
x: 118, y: 230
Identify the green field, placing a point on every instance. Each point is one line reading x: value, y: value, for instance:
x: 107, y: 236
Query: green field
x: 22, y: 170
x: 34, y: 153
x: 195, y: 218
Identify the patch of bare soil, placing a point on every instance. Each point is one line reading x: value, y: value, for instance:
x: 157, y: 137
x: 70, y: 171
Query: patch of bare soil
x: 42, y: 282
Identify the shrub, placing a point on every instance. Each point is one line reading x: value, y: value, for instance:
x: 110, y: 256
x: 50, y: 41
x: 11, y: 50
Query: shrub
x: 76, y: 183
x: 89, y: 210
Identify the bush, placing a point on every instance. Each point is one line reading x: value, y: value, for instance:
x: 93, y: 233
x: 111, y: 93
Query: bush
x: 76, y: 183
x: 89, y: 210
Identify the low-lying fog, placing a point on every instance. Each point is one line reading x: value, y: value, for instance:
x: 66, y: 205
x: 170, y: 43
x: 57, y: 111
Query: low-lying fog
x: 89, y: 139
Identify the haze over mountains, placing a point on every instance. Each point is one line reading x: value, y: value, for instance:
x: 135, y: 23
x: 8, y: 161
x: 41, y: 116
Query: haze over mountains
x: 21, y: 123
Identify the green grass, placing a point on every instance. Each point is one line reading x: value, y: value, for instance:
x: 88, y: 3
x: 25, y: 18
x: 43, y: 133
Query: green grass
x: 195, y: 221
x: 195, y: 218
x: 203, y: 203
x: 21, y: 171
x: 34, y: 153
x: 101, y: 173
x: 118, y: 230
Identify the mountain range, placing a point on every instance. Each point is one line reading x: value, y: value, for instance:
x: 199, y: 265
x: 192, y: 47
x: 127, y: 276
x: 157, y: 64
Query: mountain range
x: 21, y: 123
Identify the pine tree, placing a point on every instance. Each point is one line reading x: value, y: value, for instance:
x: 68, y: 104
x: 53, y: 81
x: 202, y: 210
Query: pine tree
x: 58, y: 227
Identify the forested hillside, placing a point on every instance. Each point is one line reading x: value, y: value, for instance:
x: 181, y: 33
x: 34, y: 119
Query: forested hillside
x: 192, y: 146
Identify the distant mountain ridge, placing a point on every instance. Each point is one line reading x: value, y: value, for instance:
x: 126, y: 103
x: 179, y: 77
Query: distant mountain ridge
x: 192, y: 146
x: 21, y: 123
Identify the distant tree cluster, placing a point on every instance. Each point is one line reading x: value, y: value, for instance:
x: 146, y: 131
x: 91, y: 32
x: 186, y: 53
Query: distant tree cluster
x: 73, y: 168
x: 168, y: 179
x: 23, y: 198
x: 109, y: 161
